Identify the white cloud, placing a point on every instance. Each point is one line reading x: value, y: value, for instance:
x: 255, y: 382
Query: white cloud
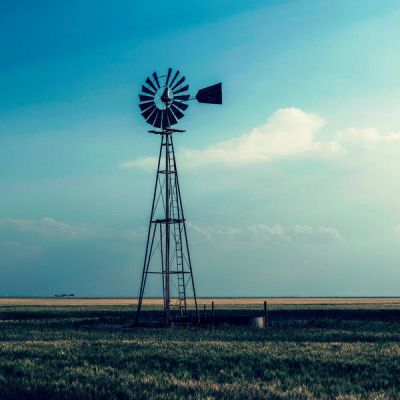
x: 319, y: 233
x: 50, y: 227
x: 296, y: 233
x: 289, y: 132
x: 46, y: 226
x: 275, y: 231
x: 146, y: 163
x: 220, y: 230
x: 366, y: 137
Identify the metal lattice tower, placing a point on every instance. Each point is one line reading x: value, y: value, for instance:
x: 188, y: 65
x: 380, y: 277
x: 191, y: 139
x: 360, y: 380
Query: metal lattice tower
x: 167, y: 249
x: 167, y: 239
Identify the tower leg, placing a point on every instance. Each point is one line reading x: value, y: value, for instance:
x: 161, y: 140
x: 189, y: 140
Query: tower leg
x: 167, y: 230
x: 147, y: 253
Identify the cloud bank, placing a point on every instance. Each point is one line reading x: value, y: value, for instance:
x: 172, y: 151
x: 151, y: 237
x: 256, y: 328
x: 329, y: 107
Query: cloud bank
x: 53, y: 229
x: 296, y: 233
x: 37, y: 232
x: 366, y: 137
x: 288, y: 133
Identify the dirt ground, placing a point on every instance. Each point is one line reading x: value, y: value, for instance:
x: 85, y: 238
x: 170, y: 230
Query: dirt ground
x: 238, y: 301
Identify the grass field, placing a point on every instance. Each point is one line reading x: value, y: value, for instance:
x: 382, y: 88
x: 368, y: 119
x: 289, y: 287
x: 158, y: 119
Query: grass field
x: 87, y: 349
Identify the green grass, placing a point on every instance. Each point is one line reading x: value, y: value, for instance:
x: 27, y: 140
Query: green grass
x: 92, y: 352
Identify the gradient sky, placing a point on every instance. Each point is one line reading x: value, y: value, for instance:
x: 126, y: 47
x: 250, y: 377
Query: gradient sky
x: 290, y: 188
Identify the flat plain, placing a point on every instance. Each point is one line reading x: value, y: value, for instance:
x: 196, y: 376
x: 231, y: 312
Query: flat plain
x: 314, y: 348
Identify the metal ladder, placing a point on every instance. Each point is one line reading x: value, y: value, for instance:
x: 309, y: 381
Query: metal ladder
x: 176, y: 215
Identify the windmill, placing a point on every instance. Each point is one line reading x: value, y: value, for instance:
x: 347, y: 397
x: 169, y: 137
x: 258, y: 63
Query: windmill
x: 163, y: 101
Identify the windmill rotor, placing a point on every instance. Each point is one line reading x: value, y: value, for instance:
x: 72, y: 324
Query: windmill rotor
x: 163, y: 98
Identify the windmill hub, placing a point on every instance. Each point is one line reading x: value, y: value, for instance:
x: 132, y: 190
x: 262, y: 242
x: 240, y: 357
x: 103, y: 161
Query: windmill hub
x: 162, y: 104
x: 167, y: 96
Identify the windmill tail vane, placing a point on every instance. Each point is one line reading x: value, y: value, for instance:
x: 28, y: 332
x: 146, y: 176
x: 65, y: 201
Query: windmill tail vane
x: 163, y: 102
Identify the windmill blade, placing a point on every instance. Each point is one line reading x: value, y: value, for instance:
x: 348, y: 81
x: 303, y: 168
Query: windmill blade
x: 175, y: 76
x: 178, y: 114
x: 181, y: 106
x: 150, y: 83
x: 182, y: 89
x: 145, y: 98
x: 184, y: 97
x: 164, y: 120
x: 156, y: 79
x: 168, y: 76
x: 158, y: 120
x: 147, y: 90
x: 211, y: 94
x: 145, y: 106
x: 171, y: 117
x: 153, y: 116
x: 146, y: 114
x: 178, y: 83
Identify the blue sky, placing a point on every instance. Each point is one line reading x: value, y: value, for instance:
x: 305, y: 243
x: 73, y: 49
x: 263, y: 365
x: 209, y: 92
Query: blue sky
x: 290, y: 187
